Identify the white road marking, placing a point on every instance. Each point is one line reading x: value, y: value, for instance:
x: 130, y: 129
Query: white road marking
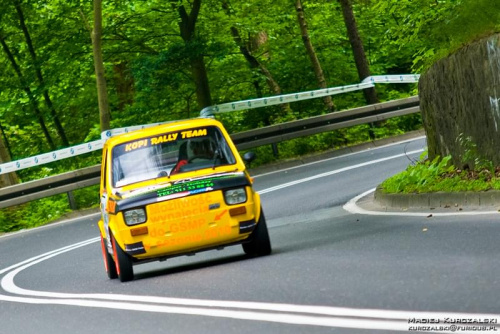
x: 271, y: 312
x: 294, y: 319
x: 354, y: 208
x: 307, y: 179
x: 341, y: 156
x: 84, y: 243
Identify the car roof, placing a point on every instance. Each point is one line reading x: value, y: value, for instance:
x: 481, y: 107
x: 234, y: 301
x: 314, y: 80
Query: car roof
x: 160, y: 129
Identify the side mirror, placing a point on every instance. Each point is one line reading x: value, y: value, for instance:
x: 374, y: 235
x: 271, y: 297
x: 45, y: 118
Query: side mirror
x: 249, y: 157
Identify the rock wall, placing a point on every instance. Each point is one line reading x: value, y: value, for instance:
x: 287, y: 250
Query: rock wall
x: 460, y: 96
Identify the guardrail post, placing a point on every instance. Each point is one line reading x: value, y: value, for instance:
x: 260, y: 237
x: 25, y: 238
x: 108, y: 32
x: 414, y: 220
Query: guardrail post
x: 276, y: 152
x: 371, y: 132
x: 71, y: 200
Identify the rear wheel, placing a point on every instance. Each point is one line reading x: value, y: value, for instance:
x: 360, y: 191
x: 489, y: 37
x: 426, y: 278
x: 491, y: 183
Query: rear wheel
x: 123, y: 263
x: 109, y: 263
x: 259, y: 243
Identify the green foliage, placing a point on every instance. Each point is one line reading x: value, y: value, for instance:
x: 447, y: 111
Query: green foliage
x: 87, y: 197
x: 45, y: 210
x: 439, y: 175
x: 148, y: 69
x: 429, y: 30
x: 33, y: 214
x: 471, y: 154
x: 419, y: 177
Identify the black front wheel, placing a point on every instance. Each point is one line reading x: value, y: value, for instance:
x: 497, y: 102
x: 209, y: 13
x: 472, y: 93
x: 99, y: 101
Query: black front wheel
x: 123, y: 263
x: 109, y: 263
x: 259, y: 243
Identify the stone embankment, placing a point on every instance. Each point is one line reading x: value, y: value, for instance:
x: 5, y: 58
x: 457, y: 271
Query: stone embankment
x: 460, y: 103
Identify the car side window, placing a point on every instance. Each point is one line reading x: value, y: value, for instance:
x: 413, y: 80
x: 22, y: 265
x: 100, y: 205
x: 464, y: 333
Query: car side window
x: 104, y: 172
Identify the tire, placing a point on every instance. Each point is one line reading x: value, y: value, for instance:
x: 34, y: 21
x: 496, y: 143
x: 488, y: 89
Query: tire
x: 109, y: 263
x: 123, y: 263
x: 259, y: 244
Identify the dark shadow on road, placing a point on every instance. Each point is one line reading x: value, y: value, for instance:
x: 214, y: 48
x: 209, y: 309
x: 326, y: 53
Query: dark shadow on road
x: 192, y: 266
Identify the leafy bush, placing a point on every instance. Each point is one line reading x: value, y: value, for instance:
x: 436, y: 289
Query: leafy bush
x: 440, y: 175
x: 34, y: 213
x: 45, y: 210
x: 419, y: 177
x: 335, y: 139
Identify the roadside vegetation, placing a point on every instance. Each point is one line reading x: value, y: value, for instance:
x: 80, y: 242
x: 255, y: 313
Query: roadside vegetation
x: 433, y: 176
x: 475, y: 173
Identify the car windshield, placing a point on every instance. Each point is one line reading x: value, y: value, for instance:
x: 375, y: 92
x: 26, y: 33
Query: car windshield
x: 169, y: 154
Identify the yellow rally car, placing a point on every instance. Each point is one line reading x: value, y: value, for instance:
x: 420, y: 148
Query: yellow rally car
x: 176, y: 189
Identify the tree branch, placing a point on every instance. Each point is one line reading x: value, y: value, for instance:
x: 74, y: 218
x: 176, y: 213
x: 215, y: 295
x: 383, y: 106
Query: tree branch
x: 85, y: 21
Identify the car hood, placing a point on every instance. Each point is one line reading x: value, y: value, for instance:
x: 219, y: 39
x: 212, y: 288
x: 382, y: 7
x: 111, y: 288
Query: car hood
x: 180, y: 188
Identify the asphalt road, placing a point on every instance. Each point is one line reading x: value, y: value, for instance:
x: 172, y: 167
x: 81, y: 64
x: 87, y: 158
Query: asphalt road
x: 331, y: 271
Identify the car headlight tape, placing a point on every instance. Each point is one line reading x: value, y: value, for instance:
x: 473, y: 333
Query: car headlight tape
x: 135, y: 216
x: 235, y: 196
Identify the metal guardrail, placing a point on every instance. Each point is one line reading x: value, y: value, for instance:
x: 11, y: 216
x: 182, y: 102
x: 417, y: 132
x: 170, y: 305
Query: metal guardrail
x: 312, y: 94
x: 323, y: 123
x: 69, y: 152
x: 49, y: 186
x: 66, y: 182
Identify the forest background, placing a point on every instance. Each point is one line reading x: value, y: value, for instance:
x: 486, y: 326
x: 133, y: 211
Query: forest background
x: 166, y: 60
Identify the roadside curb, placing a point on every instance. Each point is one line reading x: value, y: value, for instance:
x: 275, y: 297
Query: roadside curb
x: 302, y: 160
x: 466, y: 199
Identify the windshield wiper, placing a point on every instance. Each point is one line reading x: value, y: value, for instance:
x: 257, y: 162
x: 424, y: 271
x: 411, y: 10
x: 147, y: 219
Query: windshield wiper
x: 216, y: 155
x: 218, y: 152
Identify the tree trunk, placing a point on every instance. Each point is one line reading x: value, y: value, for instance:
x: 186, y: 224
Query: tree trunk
x: 318, y: 71
x: 187, y: 26
x: 102, y: 93
x: 124, y: 85
x: 8, y: 179
x: 359, y: 57
x: 39, y: 75
x: 200, y: 78
x: 27, y: 90
x: 6, y: 141
x: 358, y: 50
x: 256, y: 64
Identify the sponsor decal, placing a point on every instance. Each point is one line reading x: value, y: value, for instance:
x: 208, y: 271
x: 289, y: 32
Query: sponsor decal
x: 136, y: 145
x: 194, y: 133
x: 193, y: 187
x: 178, y: 210
x: 164, y: 138
x: 210, y: 234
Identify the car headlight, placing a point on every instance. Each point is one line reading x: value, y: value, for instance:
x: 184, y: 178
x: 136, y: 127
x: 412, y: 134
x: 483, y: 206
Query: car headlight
x: 235, y: 196
x: 134, y: 217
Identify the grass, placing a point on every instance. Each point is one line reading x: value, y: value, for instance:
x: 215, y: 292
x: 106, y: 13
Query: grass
x: 439, y: 175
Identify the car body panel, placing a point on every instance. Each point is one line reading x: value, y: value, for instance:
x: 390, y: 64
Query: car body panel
x: 185, y: 212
